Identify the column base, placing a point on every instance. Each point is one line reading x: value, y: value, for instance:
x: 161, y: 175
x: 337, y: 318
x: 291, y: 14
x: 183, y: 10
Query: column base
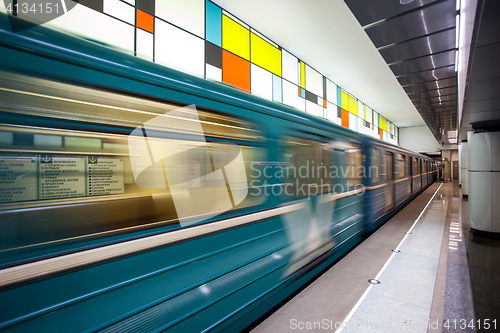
x: 485, y: 234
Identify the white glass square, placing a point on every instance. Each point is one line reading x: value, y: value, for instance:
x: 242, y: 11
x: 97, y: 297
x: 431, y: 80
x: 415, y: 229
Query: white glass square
x: 313, y: 108
x: 117, y: 34
x: 261, y: 82
x: 144, y: 47
x: 186, y: 14
x: 291, y: 97
x: 179, y: 49
x: 290, y: 67
x: 120, y: 10
x: 213, y: 73
x: 314, y: 81
x: 331, y: 92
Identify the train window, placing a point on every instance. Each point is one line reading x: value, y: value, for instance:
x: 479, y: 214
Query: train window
x: 415, y: 166
x: 311, y: 167
x: 401, y: 166
x: 374, y: 169
x: 388, y: 160
x: 299, y: 160
x: 346, y: 162
x: 91, y: 165
x: 69, y: 148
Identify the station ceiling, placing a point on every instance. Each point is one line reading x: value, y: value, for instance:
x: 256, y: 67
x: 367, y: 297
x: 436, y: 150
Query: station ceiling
x: 482, y: 92
x: 326, y: 35
x: 418, y: 42
x: 397, y: 58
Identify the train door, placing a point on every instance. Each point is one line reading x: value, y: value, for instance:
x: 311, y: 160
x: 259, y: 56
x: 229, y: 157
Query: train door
x: 410, y: 173
x: 389, y: 178
x: 420, y: 173
x: 424, y: 173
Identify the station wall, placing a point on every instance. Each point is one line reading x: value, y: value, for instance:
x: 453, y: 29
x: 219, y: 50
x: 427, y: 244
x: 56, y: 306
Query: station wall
x: 200, y: 38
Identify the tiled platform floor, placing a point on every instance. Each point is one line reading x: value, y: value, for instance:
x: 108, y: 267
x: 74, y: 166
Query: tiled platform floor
x: 420, y: 287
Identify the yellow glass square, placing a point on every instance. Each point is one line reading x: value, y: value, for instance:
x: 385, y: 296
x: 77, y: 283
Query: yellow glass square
x: 235, y: 38
x: 265, y: 55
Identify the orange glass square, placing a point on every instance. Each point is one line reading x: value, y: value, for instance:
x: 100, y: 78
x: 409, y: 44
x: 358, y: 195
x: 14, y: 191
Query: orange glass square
x: 345, y: 118
x: 235, y: 71
x: 145, y: 21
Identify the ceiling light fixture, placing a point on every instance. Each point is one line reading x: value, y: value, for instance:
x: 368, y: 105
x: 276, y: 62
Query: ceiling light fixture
x: 405, y: 2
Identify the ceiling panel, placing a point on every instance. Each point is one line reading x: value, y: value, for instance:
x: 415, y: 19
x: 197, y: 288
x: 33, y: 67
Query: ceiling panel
x: 445, y: 83
x: 486, y: 67
x: 428, y: 75
x: 368, y: 12
x: 488, y: 33
x: 419, y: 47
x: 490, y: 104
x: 482, y: 94
x: 326, y: 35
x: 417, y: 41
x: 414, y: 24
x: 484, y: 89
x: 423, y: 63
x: 420, y: 88
x: 441, y: 92
x: 433, y: 99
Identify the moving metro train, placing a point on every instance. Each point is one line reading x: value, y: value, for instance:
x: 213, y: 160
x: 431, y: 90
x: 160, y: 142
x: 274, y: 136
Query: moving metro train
x: 229, y: 222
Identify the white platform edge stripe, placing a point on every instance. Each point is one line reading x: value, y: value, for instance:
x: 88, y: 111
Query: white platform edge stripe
x: 367, y: 291
x: 37, y: 269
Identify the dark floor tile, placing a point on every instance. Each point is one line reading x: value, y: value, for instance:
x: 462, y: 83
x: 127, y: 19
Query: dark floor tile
x: 485, y: 286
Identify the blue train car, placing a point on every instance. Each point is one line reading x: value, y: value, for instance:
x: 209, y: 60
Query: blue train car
x: 138, y: 198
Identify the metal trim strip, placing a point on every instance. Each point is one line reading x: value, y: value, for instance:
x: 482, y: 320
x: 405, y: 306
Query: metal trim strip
x: 49, y: 266
x: 376, y: 187
x: 336, y: 196
x: 401, y: 180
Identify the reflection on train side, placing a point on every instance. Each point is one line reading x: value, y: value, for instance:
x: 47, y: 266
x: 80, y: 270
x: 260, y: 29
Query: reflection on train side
x: 319, y: 167
x: 70, y: 178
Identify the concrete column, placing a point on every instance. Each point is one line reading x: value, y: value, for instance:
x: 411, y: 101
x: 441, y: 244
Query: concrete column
x: 484, y: 181
x: 460, y: 164
x: 464, y: 169
x: 446, y: 154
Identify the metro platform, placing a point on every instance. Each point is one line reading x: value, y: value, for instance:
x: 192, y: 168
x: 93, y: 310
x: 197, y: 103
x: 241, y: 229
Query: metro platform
x: 422, y: 271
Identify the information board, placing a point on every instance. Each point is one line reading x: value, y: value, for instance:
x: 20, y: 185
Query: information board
x: 18, y: 178
x: 62, y: 176
x: 105, y: 175
x: 188, y: 173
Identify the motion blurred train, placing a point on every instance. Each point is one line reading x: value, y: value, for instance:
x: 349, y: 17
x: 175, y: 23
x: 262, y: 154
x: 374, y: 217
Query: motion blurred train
x: 277, y: 195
